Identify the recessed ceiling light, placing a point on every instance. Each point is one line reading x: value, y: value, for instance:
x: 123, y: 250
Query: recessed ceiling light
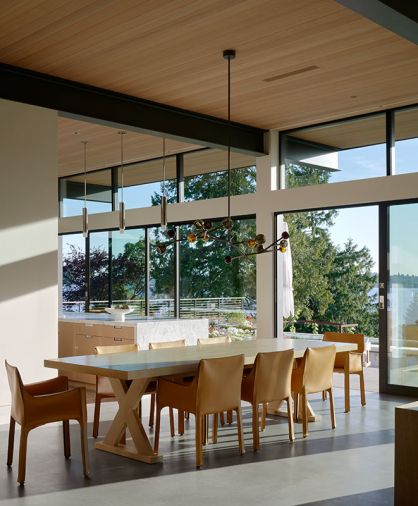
x: 292, y: 73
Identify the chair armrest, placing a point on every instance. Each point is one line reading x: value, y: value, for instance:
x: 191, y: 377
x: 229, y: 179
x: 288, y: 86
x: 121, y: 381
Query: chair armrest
x: 51, y: 386
x: 67, y: 405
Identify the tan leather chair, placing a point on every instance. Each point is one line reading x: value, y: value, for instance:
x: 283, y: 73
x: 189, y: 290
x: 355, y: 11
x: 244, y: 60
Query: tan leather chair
x: 203, y: 341
x: 349, y: 363
x: 314, y: 375
x: 158, y: 346
x: 40, y: 403
x: 215, y: 388
x: 268, y: 381
x: 103, y: 387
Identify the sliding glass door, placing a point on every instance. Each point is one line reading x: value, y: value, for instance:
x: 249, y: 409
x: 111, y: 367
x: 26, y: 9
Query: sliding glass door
x: 398, y: 298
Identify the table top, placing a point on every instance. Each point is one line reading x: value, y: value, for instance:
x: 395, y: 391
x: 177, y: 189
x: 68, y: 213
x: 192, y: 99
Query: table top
x: 165, y: 361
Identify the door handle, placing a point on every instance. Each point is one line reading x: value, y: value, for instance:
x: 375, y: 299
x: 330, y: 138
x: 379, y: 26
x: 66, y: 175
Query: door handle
x: 381, y: 302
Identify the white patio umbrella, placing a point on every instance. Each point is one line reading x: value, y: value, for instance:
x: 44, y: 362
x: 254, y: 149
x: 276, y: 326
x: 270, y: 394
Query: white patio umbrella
x: 288, y: 301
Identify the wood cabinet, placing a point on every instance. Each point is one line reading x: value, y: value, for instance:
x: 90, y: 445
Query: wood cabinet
x: 406, y: 451
x: 82, y: 338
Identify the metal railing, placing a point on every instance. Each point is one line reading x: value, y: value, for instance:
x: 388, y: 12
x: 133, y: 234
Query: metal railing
x: 213, y: 308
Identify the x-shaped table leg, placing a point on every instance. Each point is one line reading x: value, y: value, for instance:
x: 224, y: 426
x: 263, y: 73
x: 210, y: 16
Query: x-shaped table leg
x: 128, y: 398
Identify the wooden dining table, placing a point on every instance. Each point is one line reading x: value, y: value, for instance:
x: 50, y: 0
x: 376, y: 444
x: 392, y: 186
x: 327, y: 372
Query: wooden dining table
x: 130, y: 374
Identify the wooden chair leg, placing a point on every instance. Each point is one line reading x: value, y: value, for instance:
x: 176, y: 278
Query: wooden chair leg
x: 11, y: 441
x: 96, y: 419
x: 305, y: 414
x: 229, y: 417
x: 222, y: 418
x: 180, y: 421
x: 240, y: 431
x: 187, y: 415
x: 84, y: 448
x: 199, y: 426
x: 362, y: 389
x: 264, y: 416
x: 215, y: 428
x: 171, y: 415
x: 290, y: 419
x: 66, y: 437
x: 347, y: 391
x: 157, y: 429
x: 205, y: 430
x: 324, y: 395
x: 296, y: 406
x: 22, y: 455
x: 331, y: 405
x: 256, y: 435
x: 151, y: 411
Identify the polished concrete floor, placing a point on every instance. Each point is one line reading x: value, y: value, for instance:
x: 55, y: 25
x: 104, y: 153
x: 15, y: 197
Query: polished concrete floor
x: 351, y: 465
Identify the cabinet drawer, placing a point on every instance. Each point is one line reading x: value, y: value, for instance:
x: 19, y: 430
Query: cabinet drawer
x: 117, y: 331
x: 85, y: 344
x: 116, y: 341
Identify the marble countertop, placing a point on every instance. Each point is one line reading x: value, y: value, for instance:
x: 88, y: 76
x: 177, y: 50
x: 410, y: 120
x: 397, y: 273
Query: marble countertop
x: 106, y: 319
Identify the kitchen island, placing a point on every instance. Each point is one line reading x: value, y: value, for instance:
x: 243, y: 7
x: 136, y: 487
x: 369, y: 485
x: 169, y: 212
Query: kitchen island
x: 80, y: 333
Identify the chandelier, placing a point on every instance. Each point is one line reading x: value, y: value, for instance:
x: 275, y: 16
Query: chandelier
x: 205, y: 230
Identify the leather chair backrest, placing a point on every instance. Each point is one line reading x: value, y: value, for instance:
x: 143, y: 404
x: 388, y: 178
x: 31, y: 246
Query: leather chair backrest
x: 167, y: 344
x: 17, y: 390
x: 219, y: 384
x: 213, y: 340
x: 272, y: 375
x: 343, y: 337
x: 121, y: 348
x: 318, y: 366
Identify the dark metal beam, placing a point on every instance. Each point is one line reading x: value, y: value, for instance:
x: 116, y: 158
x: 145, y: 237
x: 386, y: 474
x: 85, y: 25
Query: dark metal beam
x: 395, y: 15
x: 22, y: 85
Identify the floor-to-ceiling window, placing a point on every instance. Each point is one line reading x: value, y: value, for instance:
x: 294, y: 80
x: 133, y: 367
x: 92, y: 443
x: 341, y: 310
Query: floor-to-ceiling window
x: 210, y: 288
x: 73, y: 272
x: 335, y: 271
x: 402, y: 295
x: 128, y: 269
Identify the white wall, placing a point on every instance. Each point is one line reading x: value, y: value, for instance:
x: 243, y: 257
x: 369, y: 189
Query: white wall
x: 28, y: 241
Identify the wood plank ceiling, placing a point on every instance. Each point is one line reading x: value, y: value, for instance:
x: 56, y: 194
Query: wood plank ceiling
x: 103, y: 148
x: 298, y: 62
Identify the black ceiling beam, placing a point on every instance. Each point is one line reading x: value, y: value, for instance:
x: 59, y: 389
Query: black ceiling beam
x: 398, y: 16
x: 22, y: 85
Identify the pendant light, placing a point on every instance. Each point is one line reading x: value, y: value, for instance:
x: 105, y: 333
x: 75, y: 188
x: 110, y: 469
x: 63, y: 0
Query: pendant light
x: 206, y: 231
x: 85, y: 211
x: 163, y: 196
x: 122, y: 216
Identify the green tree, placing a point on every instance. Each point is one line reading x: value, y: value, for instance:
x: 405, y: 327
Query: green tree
x: 330, y: 283
x: 128, y: 272
x: 351, y: 279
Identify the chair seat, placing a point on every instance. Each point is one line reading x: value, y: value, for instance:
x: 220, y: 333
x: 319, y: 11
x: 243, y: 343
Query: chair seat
x: 176, y: 393
x: 355, y: 361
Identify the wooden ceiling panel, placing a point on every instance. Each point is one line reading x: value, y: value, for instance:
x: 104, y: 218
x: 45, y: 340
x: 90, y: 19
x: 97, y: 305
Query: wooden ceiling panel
x: 103, y: 148
x: 169, y: 51
x: 362, y: 132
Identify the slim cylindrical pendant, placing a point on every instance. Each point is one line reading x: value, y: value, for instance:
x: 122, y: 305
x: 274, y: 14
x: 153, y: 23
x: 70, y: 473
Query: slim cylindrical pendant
x: 121, y: 217
x: 85, y: 222
x: 163, y: 213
